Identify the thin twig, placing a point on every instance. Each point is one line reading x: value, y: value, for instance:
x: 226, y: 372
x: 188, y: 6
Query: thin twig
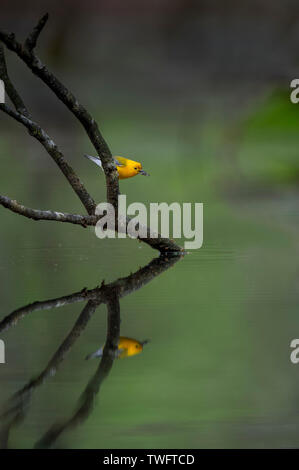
x: 31, y: 40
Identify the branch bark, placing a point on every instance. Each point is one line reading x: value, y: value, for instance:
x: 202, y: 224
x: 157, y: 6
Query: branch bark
x: 37, y: 214
x: 31, y: 40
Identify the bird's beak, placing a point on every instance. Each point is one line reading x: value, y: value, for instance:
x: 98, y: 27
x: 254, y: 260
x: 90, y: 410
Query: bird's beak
x: 142, y: 172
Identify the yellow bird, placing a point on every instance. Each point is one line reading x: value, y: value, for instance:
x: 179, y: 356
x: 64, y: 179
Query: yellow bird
x: 126, y: 168
x: 126, y: 347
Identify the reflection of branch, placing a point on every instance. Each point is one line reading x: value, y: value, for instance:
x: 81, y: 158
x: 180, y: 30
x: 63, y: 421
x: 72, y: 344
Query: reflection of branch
x: 64, y: 348
x: 6, y: 427
x: 13, y: 318
x: 124, y: 285
x: 21, y: 398
x: 15, y: 410
x: 86, y: 401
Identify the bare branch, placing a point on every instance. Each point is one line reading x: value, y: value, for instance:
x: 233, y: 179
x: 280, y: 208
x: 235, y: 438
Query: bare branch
x: 38, y: 68
x: 71, y: 102
x: 37, y: 214
x: 164, y: 245
x: 31, y: 41
x: 38, y: 133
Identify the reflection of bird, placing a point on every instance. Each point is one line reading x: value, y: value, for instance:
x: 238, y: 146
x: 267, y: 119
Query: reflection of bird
x: 126, y: 168
x: 126, y: 347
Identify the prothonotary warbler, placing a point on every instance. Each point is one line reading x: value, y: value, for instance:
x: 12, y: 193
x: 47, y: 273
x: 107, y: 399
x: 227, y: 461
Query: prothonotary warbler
x: 126, y: 347
x: 126, y: 168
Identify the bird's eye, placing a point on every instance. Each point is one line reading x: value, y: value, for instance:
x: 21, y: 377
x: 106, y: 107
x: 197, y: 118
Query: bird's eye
x: 137, y: 346
x: 135, y: 168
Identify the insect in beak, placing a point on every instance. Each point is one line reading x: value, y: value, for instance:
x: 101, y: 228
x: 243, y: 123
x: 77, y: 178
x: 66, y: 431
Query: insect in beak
x: 142, y: 172
x: 147, y: 340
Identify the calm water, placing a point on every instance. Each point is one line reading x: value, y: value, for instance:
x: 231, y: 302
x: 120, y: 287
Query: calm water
x: 216, y: 372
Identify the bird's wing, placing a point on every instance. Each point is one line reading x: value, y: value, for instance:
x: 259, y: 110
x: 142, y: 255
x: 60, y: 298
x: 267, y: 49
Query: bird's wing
x: 119, y: 161
x: 98, y: 353
x: 122, y: 352
x: 96, y: 160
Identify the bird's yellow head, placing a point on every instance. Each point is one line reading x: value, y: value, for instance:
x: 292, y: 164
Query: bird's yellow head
x: 136, y: 167
x: 135, y: 349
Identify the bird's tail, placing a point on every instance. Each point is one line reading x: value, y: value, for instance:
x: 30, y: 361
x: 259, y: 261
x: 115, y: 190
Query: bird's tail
x: 96, y: 160
x: 98, y: 353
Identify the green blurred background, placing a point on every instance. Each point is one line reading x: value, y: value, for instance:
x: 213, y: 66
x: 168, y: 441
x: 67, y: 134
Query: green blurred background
x: 199, y: 93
